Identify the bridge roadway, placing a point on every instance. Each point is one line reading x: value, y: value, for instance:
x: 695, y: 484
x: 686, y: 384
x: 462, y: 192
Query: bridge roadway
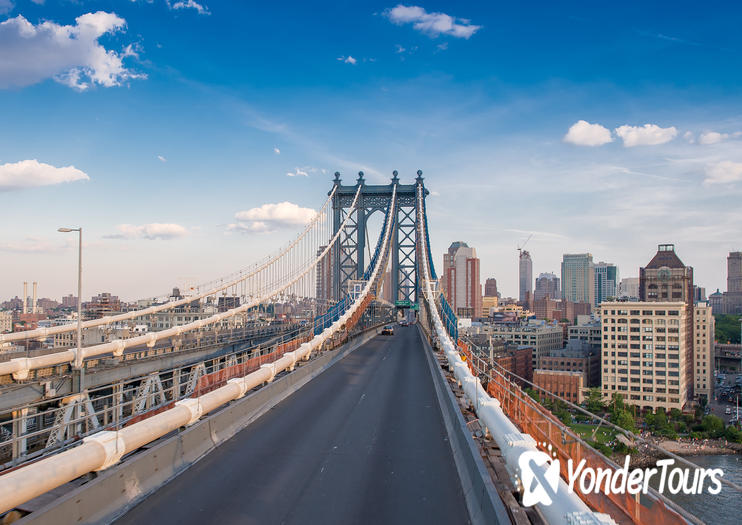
x: 364, y: 442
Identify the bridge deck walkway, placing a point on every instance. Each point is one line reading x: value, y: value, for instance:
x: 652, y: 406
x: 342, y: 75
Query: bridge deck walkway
x: 364, y: 442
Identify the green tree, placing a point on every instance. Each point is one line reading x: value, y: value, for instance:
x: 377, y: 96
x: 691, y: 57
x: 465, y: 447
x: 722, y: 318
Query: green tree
x: 714, y: 425
x: 594, y: 401
x: 626, y: 421
x: 727, y: 328
x: 534, y: 394
x: 660, y: 420
x: 733, y: 434
x: 617, y: 404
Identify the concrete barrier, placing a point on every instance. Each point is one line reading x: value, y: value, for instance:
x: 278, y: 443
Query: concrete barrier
x: 112, y: 492
x: 482, y: 499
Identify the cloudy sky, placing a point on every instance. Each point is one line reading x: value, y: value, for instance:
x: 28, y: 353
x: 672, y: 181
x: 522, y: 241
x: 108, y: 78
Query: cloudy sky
x: 190, y: 138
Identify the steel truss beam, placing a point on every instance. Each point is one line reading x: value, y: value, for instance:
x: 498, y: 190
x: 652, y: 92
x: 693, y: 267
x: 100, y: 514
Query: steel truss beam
x: 349, y: 262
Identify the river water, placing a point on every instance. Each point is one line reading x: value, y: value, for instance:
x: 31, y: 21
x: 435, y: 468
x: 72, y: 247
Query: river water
x: 724, y: 508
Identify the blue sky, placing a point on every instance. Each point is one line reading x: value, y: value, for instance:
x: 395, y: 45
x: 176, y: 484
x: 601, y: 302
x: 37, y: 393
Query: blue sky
x: 178, y: 115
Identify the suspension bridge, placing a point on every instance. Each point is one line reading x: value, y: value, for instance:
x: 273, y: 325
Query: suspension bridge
x: 233, y: 417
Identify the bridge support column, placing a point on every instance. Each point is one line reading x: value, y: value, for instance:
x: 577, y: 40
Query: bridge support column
x: 360, y: 231
x: 20, y: 426
x: 118, y: 403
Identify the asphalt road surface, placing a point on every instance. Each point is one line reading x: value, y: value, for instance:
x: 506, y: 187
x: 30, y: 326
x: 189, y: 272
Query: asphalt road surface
x: 364, y: 442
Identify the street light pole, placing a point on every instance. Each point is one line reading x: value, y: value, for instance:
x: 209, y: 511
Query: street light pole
x: 78, y: 363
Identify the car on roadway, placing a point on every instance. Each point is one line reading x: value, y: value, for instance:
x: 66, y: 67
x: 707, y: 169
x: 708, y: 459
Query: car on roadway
x: 387, y: 330
x: 728, y: 410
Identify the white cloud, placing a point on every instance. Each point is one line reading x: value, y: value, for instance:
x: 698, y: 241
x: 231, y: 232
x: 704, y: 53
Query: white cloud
x: 400, y: 49
x: 70, y: 54
x: 724, y: 172
x: 299, y: 173
x: 6, y: 6
x: 688, y: 136
x: 31, y: 173
x: 276, y: 151
x: 269, y: 217
x: 712, y: 137
x: 191, y: 4
x: 161, y: 158
x: 150, y: 232
x: 647, y: 135
x: 432, y: 24
x: 347, y: 60
x: 251, y: 227
x: 582, y: 133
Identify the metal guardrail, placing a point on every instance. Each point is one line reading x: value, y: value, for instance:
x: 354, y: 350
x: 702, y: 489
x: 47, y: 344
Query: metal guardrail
x: 545, y: 427
x: 38, y: 430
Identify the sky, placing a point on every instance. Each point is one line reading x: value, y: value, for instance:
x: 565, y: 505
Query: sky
x: 189, y: 139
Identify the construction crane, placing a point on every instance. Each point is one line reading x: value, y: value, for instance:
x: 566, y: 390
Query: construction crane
x: 520, y: 248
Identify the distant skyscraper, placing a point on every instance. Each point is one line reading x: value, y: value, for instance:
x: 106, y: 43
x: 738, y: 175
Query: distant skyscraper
x: 525, y: 274
x: 547, y: 285
x: 734, y: 272
x: 606, y: 282
x: 461, y: 280
x: 490, y: 287
x: 629, y: 288
x: 578, y: 278
x: 448, y: 267
x: 733, y: 298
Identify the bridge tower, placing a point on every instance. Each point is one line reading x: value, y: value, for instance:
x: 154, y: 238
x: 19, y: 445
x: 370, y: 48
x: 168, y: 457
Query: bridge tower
x: 349, y: 261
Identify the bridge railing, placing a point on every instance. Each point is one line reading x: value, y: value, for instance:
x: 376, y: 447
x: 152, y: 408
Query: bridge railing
x: 35, y: 430
x: 106, y: 448
x: 535, y: 420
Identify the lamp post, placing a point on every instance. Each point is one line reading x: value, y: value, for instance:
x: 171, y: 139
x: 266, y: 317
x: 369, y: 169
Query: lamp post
x: 78, y: 363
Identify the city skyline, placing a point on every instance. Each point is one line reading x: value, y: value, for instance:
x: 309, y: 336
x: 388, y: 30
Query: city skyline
x: 164, y: 145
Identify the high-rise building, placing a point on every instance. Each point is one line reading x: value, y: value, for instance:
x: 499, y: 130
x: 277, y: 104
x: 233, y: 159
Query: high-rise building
x: 606, y: 282
x: 525, y: 277
x: 578, y: 278
x: 69, y: 301
x: 734, y: 272
x: 490, y: 287
x: 645, y: 353
x: 629, y: 288
x: 667, y: 279
x: 732, y: 303
x: 699, y: 294
x: 449, y: 266
x: 547, y: 285
x: 461, y: 283
x: 703, y: 351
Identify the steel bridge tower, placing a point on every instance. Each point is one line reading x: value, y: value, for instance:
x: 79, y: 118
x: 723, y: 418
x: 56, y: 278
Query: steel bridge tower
x: 348, y: 262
